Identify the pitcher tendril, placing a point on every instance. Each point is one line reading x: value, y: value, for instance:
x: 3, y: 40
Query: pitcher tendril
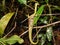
x: 31, y: 20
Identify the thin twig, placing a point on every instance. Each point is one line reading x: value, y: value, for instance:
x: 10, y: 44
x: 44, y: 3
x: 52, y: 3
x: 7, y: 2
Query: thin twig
x: 12, y: 3
x: 24, y: 20
x: 14, y: 25
x: 51, y: 14
x: 54, y: 39
x: 3, y: 4
x: 30, y: 7
x: 14, y: 19
x: 45, y: 25
x: 40, y: 27
x: 37, y: 33
x: 57, y: 14
x: 23, y: 33
x: 16, y: 13
x: 10, y: 31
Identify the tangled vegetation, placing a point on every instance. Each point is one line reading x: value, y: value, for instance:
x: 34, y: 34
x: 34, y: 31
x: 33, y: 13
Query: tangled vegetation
x: 29, y: 22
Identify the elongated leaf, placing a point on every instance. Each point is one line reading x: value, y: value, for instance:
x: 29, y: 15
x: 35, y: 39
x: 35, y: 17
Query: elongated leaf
x: 49, y: 33
x: 38, y: 14
x: 23, y: 1
x: 12, y: 40
x: 43, y: 39
x: 4, y: 21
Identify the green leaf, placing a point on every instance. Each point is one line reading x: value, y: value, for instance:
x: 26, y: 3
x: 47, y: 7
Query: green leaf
x: 2, y: 40
x: 4, y: 21
x: 40, y: 35
x: 14, y: 39
x: 46, y: 1
x: 44, y: 20
x: 43, y: 39
x: 49, y: 33
x: 38, y: 14
x: 49, y: 43
x: 23, y: 1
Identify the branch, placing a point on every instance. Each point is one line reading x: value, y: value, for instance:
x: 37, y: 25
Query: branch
x: 46, y: 25
x: 10, y: 31
x: 57, y: 14
x: 23, y: 33
x: 41, y: 27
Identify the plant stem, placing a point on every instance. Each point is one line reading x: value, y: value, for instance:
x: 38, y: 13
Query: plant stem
x: 50, y: 12
x: 51, y: 18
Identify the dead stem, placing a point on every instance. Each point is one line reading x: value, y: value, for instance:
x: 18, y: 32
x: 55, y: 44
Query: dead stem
x: 45, y: 25
x: 37, y: 33
x: 10, y: 31
x: 57, y: 14
x: 40, y: 27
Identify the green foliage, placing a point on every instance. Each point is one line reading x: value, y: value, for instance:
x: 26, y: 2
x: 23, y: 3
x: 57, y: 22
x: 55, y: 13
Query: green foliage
x: 23, y: 1
x: 12, y: 40
x: 49, y: 33
x: 4, y: 21
x: 46, y: 1
x: 44, y: 20
x: 49, y: 43
x: 40, y: 35
x: 38, y: 14
x: 48, y: 36
x: 43, y: 39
